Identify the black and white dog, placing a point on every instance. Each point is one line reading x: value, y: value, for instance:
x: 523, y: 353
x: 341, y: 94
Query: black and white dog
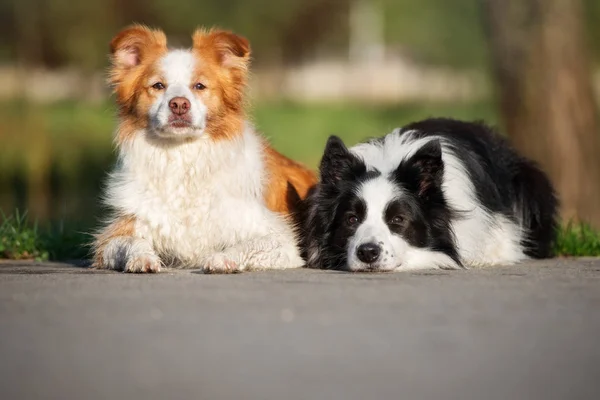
x: 439, y: 193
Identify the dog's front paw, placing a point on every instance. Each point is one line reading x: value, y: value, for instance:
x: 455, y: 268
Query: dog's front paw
x: 221, y: 263
x: 143, y: 263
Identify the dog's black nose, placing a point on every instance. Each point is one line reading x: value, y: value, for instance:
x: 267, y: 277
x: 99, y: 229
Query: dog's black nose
x: 368, y: 252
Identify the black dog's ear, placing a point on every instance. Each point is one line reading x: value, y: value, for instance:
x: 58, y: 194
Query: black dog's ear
x: 338, y: 162
x: 424, y: 170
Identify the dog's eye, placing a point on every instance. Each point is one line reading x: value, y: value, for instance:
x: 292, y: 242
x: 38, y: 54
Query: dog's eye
x: 199, y: 86
x: 158, y: 86
x: 397, y: 220
x: 352, y: 220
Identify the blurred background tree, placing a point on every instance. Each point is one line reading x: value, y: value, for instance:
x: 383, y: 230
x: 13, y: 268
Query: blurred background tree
x: 56, y: 33
x: 542, y: 66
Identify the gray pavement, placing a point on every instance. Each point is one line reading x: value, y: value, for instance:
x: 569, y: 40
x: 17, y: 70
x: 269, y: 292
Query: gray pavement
x: 530, y: 331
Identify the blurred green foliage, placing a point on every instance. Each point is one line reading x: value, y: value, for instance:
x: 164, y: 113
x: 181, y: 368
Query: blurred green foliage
x: 62, y: 32
x: 438, y: 31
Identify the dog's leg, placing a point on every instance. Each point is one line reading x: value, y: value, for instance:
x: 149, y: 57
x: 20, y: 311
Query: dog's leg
x: 273, y: 251
x: 117, y: 248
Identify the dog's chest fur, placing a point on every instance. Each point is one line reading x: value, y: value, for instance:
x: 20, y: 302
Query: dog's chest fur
x: 194, y: 198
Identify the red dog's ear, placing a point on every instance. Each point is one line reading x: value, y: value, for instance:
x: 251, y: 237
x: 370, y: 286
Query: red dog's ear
x: 131, y: 45
x: 233, y: 51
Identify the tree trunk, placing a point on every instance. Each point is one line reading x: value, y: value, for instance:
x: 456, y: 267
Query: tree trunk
x: 546, y: 96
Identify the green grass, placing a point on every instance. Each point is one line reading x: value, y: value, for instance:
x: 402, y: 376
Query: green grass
x: 577, y: 240
x: 21, y: 239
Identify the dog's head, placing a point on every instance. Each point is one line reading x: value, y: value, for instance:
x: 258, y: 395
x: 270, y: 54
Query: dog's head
x: 374, y: 221
x: 179, y: 95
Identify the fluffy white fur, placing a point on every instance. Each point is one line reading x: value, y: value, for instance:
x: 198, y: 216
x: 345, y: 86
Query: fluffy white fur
x: 198, y: 204
x: 482, y: 238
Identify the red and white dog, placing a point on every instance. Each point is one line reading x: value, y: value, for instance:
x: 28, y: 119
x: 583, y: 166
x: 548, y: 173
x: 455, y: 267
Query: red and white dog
x: 195, y: 185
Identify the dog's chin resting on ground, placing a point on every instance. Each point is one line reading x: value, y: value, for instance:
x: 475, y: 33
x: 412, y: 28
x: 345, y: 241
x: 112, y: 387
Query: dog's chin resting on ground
x: 195, y: 186
x: 439, y: 193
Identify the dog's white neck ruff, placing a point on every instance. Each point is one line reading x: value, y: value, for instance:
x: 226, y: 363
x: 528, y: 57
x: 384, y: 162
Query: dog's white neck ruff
x: 195, y: 198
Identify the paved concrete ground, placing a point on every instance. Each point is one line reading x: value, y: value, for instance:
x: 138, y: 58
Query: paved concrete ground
x: 524, y: 332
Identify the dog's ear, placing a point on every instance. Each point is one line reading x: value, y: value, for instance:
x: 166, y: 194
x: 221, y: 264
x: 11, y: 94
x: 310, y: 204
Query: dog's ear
x: 129, y: 48
x: 424, y: 170
x: 339, y: 163
x: 132, y: 44
x: 232, y: 51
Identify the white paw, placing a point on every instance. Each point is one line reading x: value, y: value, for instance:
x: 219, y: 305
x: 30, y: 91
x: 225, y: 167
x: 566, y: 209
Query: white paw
x: 220, y: 263
x: 143, y: 263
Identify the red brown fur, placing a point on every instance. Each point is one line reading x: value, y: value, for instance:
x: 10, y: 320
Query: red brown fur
x: 286, y: 175
x: 129, y: 82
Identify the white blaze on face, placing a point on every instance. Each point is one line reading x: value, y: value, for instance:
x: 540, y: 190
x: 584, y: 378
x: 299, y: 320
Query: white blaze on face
x: 395, y: 253
x: 377, y: 194
x: 177, y: 74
